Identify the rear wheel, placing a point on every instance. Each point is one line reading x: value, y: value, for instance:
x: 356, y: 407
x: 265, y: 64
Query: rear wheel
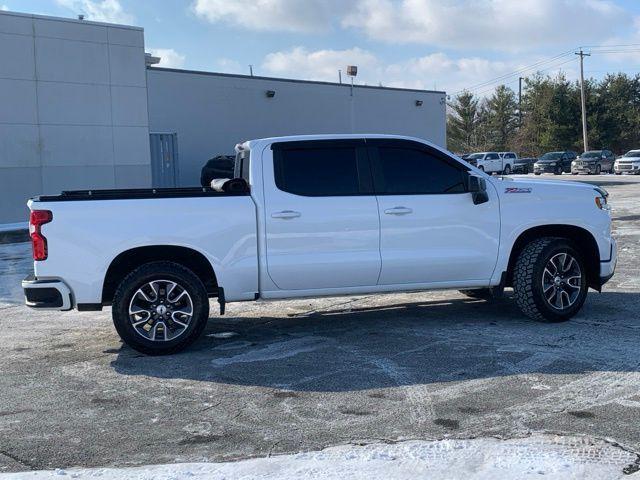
x: 481, y: 168
x: 507, y: 170
x: 160, y: 308
x: 549, y: 280
x: 598, y: 169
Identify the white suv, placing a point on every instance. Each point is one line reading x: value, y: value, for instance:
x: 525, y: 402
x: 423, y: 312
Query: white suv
x: 628, y: 163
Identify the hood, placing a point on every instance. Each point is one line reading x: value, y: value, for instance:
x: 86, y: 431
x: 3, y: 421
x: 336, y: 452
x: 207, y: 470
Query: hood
x: 628, y: 159
x: 539, y: 186
x: 547, y: 160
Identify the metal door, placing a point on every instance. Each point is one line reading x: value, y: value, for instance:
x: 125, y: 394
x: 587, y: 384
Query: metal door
x: 164, y: 159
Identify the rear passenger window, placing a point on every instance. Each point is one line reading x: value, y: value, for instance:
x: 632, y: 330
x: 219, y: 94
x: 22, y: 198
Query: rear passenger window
x: 412, y: 171
x: 317, y: 172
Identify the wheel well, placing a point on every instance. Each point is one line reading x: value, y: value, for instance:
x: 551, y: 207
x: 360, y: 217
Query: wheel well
x: 129, y: 260
x: 581, y: 238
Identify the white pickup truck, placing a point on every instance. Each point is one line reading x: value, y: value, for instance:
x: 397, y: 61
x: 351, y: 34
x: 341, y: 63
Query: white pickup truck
x: 493, y: 162
x: 321, y: 215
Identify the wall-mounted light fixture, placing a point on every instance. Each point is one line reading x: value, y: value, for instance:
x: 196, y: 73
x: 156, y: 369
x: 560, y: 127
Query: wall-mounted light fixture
x: 270, y: 93
x: 418, y: 103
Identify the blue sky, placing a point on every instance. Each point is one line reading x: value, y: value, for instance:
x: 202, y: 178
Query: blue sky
x: 448, y: 45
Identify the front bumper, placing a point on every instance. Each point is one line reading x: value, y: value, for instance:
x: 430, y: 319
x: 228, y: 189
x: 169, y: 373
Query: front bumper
x: 50, y: 294
x: 627, y: 168
x: 544, y: 168
x: 608, y: 268
x: 583, y: 168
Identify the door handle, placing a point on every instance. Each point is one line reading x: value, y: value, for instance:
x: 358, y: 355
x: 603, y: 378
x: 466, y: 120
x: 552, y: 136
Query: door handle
x: 286, y: 214
x: 398, y: 211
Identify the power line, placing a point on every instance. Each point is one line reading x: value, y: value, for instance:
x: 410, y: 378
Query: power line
x: 516, y: 72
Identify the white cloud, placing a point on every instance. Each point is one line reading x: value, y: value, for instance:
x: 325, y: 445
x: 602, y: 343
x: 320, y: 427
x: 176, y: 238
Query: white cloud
x: 272, y: 15
x: 169, y: 58
x: 437, y: 71
x: 4, y: 8
x: 506, y: 25
x: 318, y: 65
x: 109, y: 11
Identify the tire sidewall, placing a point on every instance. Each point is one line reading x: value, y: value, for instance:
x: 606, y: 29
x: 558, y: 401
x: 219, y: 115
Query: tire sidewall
x: 559, y: 246
x: 160, y: 271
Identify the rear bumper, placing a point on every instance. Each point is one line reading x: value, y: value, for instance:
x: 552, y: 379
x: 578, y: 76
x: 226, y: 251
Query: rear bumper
x: 520, y: 168
x: 50, y: 294
x: 608, y: 268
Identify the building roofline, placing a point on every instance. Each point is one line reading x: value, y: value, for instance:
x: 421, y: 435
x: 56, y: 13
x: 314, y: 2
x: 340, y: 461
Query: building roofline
x: 289, y: 80
x: 70, y: 20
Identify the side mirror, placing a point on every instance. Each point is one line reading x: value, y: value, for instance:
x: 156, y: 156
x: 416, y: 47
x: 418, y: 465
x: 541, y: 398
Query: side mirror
x: 477, y: 186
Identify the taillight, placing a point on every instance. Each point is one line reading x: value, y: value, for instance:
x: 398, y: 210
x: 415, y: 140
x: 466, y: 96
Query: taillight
x: 38, y: 241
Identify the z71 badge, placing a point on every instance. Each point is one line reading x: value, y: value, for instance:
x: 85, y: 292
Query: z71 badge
x: 517, y: 190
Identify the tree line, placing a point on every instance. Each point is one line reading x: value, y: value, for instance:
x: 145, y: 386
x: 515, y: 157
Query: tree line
x: 550, y: 117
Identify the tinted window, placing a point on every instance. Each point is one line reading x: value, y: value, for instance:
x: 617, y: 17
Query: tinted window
x: 317, y: 172
x: 510, y: 155
x: 493, y: 156
x: 412, y: 171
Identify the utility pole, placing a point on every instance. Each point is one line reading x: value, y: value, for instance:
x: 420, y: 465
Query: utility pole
x: 583, y: 99
x: 340, y: 77
x: 520, y: 102
x: 251, y: 70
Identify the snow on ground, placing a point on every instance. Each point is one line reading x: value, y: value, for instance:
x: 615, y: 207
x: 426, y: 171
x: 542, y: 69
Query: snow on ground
x: 541, y: 456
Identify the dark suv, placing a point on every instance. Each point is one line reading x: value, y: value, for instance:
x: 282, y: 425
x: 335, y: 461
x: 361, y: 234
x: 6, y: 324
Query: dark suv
x: 555, y: 162
x: 594, y: 161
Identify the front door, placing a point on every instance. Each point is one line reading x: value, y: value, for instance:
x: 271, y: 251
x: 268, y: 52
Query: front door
x: 322, y: 226
x: 431, y: 231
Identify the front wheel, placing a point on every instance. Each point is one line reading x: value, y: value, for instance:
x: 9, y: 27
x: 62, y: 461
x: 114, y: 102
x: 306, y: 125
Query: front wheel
x: 550, y: 280
x: 481, y: 168
x: 160, y: 308
x: 558, y: 170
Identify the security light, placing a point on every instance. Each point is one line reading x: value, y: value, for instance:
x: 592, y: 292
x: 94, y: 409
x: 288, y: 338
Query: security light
x: 271, y: 93
x: 418, y: 103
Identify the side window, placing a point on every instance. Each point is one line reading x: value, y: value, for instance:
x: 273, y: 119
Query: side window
x: 412, y: 171
x: 317, y: 172
x: 493, y: 156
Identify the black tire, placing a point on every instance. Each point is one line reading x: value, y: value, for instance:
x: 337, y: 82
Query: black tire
x: 536, y: 173
x: 481, y: 168
x: 558, y: 170
x: 507, y: 170
x: 154, y: 272
x: 479, y: 293
x: 528, y: 278
x: 598, y: 169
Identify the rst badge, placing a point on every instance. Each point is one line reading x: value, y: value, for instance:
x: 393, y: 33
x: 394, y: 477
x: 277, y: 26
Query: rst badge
x: 517, y: 190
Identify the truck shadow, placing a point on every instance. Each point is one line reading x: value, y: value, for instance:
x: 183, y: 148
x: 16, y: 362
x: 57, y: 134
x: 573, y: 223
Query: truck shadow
x: 347, y: 349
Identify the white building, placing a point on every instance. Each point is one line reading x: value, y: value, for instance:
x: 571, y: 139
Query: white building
x: 78, y: 105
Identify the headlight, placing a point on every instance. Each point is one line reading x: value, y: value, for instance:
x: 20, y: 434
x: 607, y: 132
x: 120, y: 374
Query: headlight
x: 573, y: 163
x: 552, y: 164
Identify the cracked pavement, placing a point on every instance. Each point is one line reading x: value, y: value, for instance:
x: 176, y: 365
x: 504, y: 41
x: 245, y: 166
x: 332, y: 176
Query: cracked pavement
x: 276, y: 377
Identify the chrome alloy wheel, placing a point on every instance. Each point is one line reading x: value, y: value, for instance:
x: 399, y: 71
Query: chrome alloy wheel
x: 160, y: 310
x: 562, y: 281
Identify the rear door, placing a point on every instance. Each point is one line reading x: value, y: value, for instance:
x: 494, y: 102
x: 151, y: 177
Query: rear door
x: 322, y: 225
x: 431, y: 231
x: 495, y: 162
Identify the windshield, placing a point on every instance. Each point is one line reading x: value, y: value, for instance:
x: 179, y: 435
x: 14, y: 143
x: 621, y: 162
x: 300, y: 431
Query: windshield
x: 594, y: 154
x: 475, y: 156
x: 632, y: 153
x: 551, y: 156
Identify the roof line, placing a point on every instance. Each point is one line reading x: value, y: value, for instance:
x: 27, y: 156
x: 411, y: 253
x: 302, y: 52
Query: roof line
x: 291, y: 80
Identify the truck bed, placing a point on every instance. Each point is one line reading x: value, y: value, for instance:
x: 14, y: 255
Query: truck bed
x: 134, y: 193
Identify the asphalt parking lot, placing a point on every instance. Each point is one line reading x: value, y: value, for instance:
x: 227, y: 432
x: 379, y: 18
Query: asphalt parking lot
x: 277, y: 377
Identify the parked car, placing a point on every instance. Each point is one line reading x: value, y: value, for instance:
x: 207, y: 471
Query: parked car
x: 628, y: 163
x: 524, y: 165
x: 489, y: 162
x: 554, y: 162
x: 509, y: 159
x: 218, y: 167
x: 593, y: 161
x: 322, y: 215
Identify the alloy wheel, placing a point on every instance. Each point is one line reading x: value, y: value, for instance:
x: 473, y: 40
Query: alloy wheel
x: 160, y: 310
x: 561, y: 281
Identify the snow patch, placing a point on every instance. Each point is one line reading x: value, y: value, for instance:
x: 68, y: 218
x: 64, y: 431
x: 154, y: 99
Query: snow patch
x: 540, y: 456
